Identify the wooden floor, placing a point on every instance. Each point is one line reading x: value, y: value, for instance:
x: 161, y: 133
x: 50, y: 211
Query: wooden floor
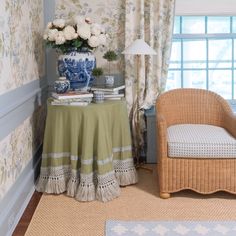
x: 27, y: 216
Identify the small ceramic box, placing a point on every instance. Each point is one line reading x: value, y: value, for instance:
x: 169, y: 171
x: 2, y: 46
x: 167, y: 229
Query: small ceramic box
x: 62, y: 85
x: 98, y: 96
x: 109, y: 81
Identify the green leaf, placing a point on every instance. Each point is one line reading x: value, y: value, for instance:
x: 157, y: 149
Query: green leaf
x: 77, y: 43
x: 110, y: 55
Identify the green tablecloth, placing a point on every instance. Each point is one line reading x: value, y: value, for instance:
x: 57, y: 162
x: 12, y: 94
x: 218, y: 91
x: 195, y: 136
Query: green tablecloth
x: 87, y: 151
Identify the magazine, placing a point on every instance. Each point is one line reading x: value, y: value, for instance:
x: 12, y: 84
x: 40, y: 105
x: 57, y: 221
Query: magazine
x: 72, y: 94
x: 106, y: 88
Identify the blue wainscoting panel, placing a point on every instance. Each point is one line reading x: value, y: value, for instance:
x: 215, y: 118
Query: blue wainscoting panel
x: 17, y: 105
x: 17, y: 198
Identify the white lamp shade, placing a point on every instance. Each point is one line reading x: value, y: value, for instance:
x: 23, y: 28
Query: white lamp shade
x: 139, y: 47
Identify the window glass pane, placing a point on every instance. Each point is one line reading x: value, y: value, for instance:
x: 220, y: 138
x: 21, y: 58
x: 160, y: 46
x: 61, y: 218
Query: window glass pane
x: 234, y: 53
x: 234, y: 24
x: 175, y: 59
x: 220, y: 53
x: 193, y: 24
x: 218, y: 24
x: 194, y: 54
x: 194, y: 79
x: 234, y: 85
x: 174, y: 79
x: 220, y: 81
x: 177, y: 25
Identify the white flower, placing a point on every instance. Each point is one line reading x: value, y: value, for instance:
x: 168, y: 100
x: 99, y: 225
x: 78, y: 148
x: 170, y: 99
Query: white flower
x: 69, y: 32
x: 49, y: 25
x: 102, y: 39
x: 60, y: 23
x: 59, y: 31
x: 60, y: 39
x: 84, y: 31
x: 52, y: 33
x: 93, y: 41
x: 95, y: 29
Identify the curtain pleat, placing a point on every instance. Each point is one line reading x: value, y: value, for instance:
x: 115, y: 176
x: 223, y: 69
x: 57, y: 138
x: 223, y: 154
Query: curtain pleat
x: 151, y: 20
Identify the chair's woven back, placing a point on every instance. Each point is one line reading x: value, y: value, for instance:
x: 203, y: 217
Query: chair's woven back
x: 193, y: 106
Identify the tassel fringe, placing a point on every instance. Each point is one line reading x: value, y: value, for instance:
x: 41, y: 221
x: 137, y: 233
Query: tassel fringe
x: 88, y: 187
x: 127, y: 176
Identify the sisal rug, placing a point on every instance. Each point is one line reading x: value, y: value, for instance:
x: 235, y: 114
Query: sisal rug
x: 62, y: 215
x: 170, y: 228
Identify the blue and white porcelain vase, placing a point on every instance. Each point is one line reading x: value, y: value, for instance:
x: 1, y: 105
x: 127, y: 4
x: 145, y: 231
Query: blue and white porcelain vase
x: 77, y: 68
x: 62, y: 85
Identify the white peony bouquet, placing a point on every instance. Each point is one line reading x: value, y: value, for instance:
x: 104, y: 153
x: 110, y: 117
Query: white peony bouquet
x: 79, y: 34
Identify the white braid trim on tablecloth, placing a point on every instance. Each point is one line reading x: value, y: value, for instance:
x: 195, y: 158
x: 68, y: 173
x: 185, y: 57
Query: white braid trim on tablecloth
x: 122, y: 149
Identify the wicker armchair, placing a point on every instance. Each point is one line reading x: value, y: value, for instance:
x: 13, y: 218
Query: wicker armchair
x: 203, y: 175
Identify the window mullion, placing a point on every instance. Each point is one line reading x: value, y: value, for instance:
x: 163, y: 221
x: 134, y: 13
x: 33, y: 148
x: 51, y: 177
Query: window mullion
x: 231, y: 24
x: 204, y: 36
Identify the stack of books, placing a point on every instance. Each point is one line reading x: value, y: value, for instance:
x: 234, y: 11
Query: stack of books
x: 72, y: 98
x: 111, y: 92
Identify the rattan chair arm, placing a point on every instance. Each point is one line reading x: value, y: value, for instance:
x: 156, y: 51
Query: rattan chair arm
x: 161, y: 136
x: 229, y: 123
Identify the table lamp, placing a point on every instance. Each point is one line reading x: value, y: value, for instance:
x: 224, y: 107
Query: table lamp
x: 137, y: 48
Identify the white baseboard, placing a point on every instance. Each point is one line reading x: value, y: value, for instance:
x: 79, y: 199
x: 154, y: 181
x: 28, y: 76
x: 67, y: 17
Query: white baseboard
x: 17, y: 198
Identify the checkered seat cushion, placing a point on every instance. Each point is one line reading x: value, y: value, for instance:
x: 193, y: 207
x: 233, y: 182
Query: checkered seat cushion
x: 200, y: 141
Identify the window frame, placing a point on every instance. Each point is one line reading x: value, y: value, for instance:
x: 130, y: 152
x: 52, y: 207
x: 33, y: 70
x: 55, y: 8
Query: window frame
x: 179, y: 37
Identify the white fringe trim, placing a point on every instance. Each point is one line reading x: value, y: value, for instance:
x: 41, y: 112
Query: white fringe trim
x: 108, y: 187
x: 87, y: 187
x: 125, y: 172
x: 72, y: 186
x: 51, y: 184
x: 126, y: 177
x: 53, y: 180
x: 85, y: 192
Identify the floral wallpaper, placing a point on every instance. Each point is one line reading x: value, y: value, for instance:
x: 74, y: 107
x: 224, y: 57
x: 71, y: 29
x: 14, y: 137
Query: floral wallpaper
x: 21, y: 44
x: 21, y: 61
x: 17, y: 149
x: 112, y: 17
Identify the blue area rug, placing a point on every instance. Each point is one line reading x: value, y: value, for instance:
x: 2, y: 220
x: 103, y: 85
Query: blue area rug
x: 170, y: 228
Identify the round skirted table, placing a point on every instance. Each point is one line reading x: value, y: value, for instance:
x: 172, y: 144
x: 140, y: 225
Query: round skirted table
x: 87, y: 151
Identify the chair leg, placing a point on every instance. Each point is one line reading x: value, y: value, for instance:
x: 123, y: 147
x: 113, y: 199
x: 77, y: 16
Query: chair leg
x: 164, y: 195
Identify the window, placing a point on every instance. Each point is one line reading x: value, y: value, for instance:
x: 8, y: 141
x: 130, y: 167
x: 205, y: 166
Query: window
x: 204, y: 54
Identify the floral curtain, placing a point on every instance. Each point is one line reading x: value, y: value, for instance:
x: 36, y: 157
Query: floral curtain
x: 151, y: 20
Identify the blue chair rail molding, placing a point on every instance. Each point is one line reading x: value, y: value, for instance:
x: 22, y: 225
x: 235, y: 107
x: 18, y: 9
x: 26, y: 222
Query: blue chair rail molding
x: 18, y: 104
